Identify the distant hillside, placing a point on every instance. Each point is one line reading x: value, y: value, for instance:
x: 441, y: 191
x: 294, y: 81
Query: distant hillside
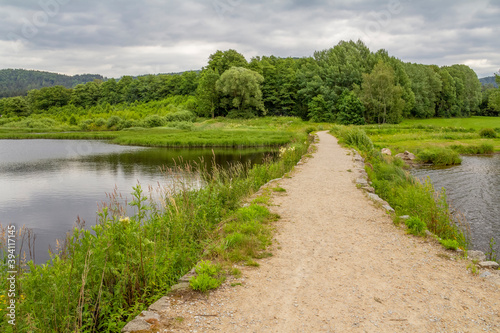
x: 17, y: 82
x: 490, y: 79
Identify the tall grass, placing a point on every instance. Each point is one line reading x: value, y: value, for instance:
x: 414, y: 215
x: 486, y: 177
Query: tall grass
x: 103, y: 277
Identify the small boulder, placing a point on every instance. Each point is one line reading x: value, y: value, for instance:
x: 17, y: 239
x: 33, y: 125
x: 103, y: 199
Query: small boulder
x: 406, y: 156
x: 489, y: 264
x: 386, y: 151
x: 476, y: 255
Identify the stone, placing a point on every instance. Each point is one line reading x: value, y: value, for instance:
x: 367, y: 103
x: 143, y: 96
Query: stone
x: 188, y: 276
x: 362, y: 182
x: 183, y: 286
x: 140, y: 323
x: 489, y: 264
x: 406, y: 156
x: 404, y: 217
x: 476, y: 255
x: 388, y: 208
x: 485, y: 274
x: 369, y: 189
x: 160, y: 305
x: 386, y: 151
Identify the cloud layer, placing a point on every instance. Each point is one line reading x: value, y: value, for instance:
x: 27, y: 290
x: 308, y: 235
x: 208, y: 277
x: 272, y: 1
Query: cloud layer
x: 120, y: 37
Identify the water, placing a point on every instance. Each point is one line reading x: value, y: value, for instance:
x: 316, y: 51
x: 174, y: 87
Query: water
x: 46, y: 184
x: 473, y: 188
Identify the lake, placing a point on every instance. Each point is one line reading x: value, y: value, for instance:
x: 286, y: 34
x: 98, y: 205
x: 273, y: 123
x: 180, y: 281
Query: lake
x: 473, y: 188
x: 46, y: 184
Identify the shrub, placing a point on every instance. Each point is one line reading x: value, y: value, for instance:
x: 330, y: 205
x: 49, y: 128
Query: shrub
x: 207, y: 276
x: 154, y: 121
x: 449, y: 244
x: 357, y: 138
x: 113, y: 121
x: 439, y: 156
x: 415, y: 226
x: 181, y: 115
x: 488, y: 133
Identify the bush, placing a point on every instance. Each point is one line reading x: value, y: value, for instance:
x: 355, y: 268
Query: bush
x: 154, y: 121
x: 181, y: 115
x: 416, y: 226
x: 450, y: 244
x: 357, y: 138
x: 439, y: 156
x: 488, y: 133
x: 113, y: 121
x: 207, y: 276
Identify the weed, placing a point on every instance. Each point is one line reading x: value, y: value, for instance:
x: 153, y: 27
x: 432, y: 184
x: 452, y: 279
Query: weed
x: 439, y: 156
x: 235, y: 284
x: 349, y: 170
x: 473, y: 269
x: 450, y: 244
x: 487, y: 133
x: 415, y: 226
x: 252, y: 263
x: 491, y: 254
x: 236, y: 272
x: 279, y: 189
x: 208, y: 276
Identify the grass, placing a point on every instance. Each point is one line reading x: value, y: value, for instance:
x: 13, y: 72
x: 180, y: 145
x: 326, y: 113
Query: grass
x: 100, y: 279
x: 464, y: 135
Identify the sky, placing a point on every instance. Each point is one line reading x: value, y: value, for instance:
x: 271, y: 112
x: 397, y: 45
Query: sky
x: 122, y: 37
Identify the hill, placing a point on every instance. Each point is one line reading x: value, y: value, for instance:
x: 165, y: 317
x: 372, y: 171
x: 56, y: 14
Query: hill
x: 486, y: 80
x: 17, y: 82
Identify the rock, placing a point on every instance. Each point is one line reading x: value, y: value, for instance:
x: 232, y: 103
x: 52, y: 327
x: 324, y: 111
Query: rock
x: 180, y: 286
x: 160, y: 305
x: 388, y: 208
x: 489, y: 264
x: 386, y: 151
x: 140, y: 323
x: 188, y: 276
x: 404, y: 217
x: 369, y: 189
x: 476, y: 255
x: 362, y: 182
x: 485, y: 274
x: 406, y: 156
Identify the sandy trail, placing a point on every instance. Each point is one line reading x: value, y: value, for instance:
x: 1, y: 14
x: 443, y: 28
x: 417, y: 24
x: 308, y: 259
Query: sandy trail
x: 341, y: 266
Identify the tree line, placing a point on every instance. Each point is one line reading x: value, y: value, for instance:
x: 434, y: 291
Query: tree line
x: 347, y: 83
x: 17, y: 82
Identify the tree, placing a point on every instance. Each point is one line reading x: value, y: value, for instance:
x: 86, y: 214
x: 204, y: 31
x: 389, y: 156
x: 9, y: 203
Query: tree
x: 207, y: 93
x: 221, y: 61
x: 381, y: 96
x: 16, y: 106
x: 318, y: 110
x: 350, y: 109
x: 241, y: 93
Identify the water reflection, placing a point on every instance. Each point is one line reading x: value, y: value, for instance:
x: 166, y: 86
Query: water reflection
x: 473, y: 188
x: 47, y: 184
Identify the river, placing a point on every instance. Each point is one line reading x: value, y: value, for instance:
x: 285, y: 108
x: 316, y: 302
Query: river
x: 47, y: 184
x: 473, y: 188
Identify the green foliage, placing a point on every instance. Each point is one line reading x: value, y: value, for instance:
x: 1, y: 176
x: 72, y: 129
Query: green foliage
x: 491, y: 254
x: 208, y: 276
x: 350, y: 109
x: 439, y: 156
x: 487, y: 133
x: 355, y: 137
x: 241, y: 94
x: 416, y: 226
x: 450, y: 244
x: 382, y: 96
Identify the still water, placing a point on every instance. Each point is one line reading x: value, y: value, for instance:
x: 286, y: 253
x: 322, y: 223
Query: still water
x: 473, y: 188
x: 46, y: 184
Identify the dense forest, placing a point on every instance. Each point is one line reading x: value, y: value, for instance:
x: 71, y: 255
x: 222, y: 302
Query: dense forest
x: 347, y: 83
x: 17, y: 82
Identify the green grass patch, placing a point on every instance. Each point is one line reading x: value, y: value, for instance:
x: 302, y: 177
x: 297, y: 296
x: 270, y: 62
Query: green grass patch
x: 439, y: 156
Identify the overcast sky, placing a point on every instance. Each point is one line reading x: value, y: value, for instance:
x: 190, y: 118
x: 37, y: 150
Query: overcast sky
x: 122, y: 37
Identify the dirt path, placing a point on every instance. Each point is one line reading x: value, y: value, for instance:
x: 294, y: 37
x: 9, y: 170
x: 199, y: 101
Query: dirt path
x: 342, y: 266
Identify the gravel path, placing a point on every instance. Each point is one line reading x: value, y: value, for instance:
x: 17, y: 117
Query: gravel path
x: 340, y: 265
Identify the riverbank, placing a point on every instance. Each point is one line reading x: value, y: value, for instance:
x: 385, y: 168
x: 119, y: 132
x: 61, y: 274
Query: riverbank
x: 339, y: 264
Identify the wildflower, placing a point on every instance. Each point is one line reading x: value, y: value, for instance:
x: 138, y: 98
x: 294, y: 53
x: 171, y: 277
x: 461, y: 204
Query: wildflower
x: 125, y: 220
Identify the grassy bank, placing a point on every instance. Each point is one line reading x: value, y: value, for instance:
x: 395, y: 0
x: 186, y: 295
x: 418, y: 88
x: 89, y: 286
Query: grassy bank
x: 99, y: 280
x: 405, y: 193
x: 427, y: 140
x: 272, y: 131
